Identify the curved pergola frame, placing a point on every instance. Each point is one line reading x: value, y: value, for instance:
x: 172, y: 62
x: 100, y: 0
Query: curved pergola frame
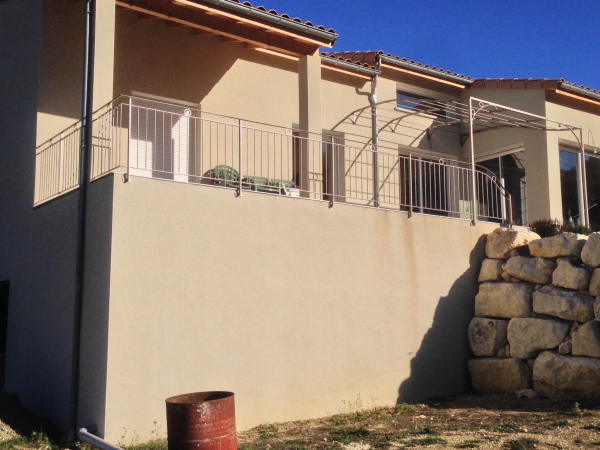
x: 476, y: 116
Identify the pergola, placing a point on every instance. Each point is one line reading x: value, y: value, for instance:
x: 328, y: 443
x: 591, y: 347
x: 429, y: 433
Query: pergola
x: 466, y: 120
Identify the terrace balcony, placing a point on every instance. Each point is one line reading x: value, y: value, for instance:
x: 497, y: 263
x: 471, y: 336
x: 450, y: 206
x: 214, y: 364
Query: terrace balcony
x: 137, y: 137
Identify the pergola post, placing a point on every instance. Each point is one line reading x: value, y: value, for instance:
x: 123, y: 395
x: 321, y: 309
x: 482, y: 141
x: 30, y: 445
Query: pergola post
x: 473, y: 179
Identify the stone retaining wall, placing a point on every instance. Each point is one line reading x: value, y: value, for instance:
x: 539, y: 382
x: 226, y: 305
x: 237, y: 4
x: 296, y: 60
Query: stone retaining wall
x: 536, y: 329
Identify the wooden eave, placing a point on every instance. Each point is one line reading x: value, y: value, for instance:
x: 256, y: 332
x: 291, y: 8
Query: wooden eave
x: 231, y: 27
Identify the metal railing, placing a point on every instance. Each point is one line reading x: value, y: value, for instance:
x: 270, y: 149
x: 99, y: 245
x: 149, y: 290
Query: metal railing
x: 138, y: 137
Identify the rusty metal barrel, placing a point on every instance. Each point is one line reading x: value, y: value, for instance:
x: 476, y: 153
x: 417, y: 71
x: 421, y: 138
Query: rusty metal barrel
x: 201, y: 421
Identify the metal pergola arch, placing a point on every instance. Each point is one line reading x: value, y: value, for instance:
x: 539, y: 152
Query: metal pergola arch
x: 465, y: 119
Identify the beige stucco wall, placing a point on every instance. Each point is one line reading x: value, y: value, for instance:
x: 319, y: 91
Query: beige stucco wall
x: 61, y: 63
x: 292, y: 305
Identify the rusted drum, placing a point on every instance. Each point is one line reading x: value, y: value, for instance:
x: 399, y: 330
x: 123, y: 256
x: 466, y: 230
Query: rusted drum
x: 201, y: 421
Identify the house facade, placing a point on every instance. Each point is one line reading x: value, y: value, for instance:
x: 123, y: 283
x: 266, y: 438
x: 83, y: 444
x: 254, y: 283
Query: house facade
x: 265, y: 215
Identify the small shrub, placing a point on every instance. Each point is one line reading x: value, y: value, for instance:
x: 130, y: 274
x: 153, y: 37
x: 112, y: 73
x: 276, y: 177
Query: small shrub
x: 579, y: 229
x: 471, y: 443
x: 347, y: 435
x: 522, y: 444
x: 546, y: 227
x: 509, y: 427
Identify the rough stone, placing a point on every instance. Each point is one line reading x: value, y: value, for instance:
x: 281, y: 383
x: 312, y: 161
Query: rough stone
x: 535, y: 270
x: 569, y: 276
x: 591, y: 251
x: 503, y: 300
x: 529, y: 336
x: 506, y: 277
x: 531, y: 362
x: 595, y: 283
x: 499, y: 376
x: 526, y: 393
x: 586, y: 340
x: 566, y: 347
x: 491, y: 270
x: 597, y: 308
x: 504, y: 351
x: 502, y: 241
x: 564, y: 244
x: 567, y: 305
x: 563, y: 377
x: 486, y: 336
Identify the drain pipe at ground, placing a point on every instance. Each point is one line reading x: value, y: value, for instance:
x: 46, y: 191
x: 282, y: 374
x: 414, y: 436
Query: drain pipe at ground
x: 95, y: 441
x: 84, y: 176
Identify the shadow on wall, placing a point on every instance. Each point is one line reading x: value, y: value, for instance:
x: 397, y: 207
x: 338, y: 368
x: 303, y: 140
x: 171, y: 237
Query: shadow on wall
x: 440, y: 366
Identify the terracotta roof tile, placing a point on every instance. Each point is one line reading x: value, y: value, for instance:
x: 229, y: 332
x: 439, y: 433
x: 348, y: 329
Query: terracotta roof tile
x: 341, y: 58
x: 516, y: 83
x: 369, y: 57
x: 283, y: 16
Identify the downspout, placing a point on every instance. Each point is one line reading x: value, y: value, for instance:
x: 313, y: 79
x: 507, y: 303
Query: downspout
x: 375, y: 132
x: 84, y: 176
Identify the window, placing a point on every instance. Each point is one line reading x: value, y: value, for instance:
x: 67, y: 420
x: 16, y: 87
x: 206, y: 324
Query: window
x: 408, y: 100
x: 510, y: 172
x: 570, y: 190
x: 162, y: 140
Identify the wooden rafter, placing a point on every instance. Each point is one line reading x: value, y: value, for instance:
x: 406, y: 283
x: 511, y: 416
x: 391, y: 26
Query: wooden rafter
x: 236, y: 30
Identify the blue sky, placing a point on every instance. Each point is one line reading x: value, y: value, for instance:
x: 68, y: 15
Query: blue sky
x: 478, y: 38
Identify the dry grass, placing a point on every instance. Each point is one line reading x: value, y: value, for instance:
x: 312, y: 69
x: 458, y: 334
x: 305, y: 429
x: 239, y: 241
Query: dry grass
x: 467, y: 421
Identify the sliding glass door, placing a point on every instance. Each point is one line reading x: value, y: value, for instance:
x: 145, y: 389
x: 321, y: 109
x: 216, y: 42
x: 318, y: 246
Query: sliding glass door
x: 510, y: 171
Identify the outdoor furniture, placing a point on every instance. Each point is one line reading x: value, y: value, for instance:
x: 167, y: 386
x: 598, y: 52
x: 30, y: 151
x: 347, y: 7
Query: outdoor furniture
x: 227, y: 176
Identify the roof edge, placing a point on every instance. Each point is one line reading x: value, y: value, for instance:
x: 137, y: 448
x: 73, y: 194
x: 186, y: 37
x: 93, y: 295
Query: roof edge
x: 351, y: 65
x: 253, y: 12
x: 568, y: 86
x: 419, y: 68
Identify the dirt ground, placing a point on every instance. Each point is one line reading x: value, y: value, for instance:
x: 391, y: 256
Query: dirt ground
x: 465, y: 421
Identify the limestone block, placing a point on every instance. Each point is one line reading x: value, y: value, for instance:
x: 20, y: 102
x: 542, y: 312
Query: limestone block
x: 595, y: 283
x: 591, y: 250
x: 562, y: 377
x: 529, y: 336
x: 526, y: 393
x: 564, y: 244
x: 499, y: 376
x: 506, y: 277
x: 503, y: 300
x: 502, y: 241
x: 486, y: 336
x: 566, y: 347
x: 504, y: 351
x: 567, y: 305
x: 491, y: 270
x: 586, y: 340
x: 569, y: 276
x: 534, y: 270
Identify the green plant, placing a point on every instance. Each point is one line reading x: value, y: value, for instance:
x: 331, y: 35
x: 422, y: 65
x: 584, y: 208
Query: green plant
x: 578, y: 229
x: 267, y: 431
x: 508, y: 427
x: 546, y: 227
x: 471, y: 443
x: 429, y: 440
x: 522, y: 444
x: 347, y: 435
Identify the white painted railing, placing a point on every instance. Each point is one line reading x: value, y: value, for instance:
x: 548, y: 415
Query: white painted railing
x: 140, y: 138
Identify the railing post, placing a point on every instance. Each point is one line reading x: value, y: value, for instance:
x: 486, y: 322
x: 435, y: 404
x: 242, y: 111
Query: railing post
x: 332, y: 201
x: 410, y: 185
x: 240, y: 124
x: 61, y: 157
x: 128, y: 175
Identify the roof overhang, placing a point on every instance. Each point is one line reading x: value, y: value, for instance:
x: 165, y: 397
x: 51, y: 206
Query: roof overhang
x: 237, y: 22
